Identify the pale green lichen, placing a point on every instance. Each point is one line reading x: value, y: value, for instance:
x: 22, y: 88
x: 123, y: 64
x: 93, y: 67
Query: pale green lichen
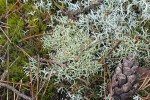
x: 68, y: 45
x: 70, y: 42
x: 72, y: 48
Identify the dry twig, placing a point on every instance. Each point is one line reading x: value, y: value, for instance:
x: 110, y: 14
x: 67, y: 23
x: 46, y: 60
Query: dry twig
x: 71, y: 13
x: 15, y: 90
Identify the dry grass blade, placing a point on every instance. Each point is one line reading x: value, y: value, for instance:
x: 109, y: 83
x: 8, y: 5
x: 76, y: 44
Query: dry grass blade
x: 107, y: 71
x: 37, y: 77
x: 10, y: 9
x: 19, y: 90
x: 46, y: 85
x: 105, y: 80
x: 21, y: 49
x: 57, y: 5
x: 32, y: 87
x: 49, y: 76
x: 5, y: 35
x: 45, y: 88
x: 16, y: 10
x: 5, y: 25
x: 6, y: 71
x: 145, y: 83
x: 109, y: 75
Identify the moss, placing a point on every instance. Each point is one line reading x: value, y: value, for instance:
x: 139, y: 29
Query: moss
x: 17, y: 24
x: 35, y: 24
x: 16, y: 73
x: 11, y: 1
x: 2, y: 7
x: 29, y: 7
x: 2, y: 39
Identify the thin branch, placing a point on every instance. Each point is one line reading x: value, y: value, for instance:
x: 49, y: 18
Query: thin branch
x: 15, y: 90
x: 86, y: 9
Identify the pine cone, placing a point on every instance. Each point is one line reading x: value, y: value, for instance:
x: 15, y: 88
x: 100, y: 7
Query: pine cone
x: 124, y: 81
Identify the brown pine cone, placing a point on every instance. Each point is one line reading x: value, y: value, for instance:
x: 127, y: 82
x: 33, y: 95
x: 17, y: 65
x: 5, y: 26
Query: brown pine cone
x: 124, y: 81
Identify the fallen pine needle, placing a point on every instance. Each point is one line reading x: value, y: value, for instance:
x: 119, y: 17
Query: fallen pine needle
x: 15, y: 83
x: 37, y: 35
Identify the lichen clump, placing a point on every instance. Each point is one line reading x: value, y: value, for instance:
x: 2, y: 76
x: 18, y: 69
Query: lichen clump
x: 73, y: 48
x: 72, y: 51
x: 76, y: 46
x: 68, y: 45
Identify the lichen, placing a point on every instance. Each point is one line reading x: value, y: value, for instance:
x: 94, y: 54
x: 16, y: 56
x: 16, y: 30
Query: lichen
x: 77, y: 46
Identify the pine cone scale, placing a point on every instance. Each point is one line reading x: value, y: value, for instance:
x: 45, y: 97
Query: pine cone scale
x: 124, y: 81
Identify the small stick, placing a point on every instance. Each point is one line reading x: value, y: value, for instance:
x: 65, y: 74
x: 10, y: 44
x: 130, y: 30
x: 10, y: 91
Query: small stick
x: 15, y: 90
x: 86, y: 9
